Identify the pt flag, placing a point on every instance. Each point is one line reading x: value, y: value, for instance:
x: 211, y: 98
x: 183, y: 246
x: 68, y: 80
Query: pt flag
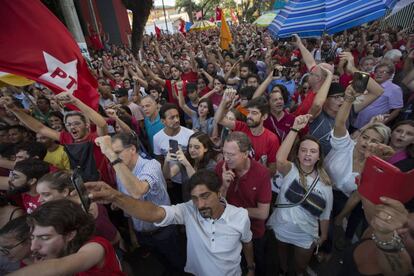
x: 36, y: 45
x: 225, y: 34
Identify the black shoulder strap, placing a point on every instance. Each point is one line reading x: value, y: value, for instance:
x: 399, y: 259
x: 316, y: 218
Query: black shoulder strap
x: 289, y: 205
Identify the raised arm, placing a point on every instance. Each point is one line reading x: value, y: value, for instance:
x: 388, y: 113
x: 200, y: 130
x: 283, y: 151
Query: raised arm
x: 208, y: 77
x: 135, y: 187
x: 88, y: 256
x: 29, y: 121
x: 95, y: 117
x: 320, y: 97
x: 374, y: 89
x: 155, y: 77
x: 141, y: 209
x: 340, y: 129
x: 229, y: 96
x: 181, y: 101
x: 282, y: 163
x: 263, y: 86
x: 306, y: 55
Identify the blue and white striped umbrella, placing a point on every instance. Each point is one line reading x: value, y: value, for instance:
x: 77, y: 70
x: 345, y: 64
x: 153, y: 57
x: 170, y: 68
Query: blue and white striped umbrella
x: 314, y: 17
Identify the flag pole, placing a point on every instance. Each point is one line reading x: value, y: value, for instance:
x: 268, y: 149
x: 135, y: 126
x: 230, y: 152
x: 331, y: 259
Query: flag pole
x: 165, y: 16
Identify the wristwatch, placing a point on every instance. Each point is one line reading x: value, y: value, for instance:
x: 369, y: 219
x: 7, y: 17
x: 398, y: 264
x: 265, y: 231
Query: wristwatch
x: 116, y: 161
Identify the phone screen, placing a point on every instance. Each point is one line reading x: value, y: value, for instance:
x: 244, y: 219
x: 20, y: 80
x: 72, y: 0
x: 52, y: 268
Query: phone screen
x: 360, y: 81
x: 173, y: 146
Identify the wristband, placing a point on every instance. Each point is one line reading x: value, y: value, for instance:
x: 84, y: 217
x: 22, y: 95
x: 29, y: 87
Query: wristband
x: 294, y: 130
x: 116, y: 161
x: 349, y: 98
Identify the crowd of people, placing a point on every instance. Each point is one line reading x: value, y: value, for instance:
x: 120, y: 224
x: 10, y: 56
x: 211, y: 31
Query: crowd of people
x: 225, y: 147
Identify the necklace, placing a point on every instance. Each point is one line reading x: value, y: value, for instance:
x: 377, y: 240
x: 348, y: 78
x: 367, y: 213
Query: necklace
x: 306, y: 173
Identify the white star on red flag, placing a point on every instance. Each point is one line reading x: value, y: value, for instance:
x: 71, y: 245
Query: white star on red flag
x: 62, y: 75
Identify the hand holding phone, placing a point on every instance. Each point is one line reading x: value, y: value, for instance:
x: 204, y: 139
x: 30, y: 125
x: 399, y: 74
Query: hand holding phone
x: 77, y: 182
x: 360, y: 82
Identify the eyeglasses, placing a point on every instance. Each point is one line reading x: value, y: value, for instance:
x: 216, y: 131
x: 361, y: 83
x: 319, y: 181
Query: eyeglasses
x: 382, y: 72
x: 6, y: 250
x: 336, y: 97
x: 75, y: 124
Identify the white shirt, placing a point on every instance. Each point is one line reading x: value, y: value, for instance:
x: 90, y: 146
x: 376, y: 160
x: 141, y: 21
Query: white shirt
x: 162, y: 144
x: 213, y: 246
x: 339, y: 162
x: 297, y: 215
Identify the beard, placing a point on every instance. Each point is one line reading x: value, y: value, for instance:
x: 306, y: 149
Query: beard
x: 252, y: 124
x: 206, y: 212
x: 18, y: 190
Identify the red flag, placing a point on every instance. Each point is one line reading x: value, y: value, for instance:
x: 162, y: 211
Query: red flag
x: 157, y: 31
x: 181, y: 28
x: 36, y: 45
x: 218, y: 14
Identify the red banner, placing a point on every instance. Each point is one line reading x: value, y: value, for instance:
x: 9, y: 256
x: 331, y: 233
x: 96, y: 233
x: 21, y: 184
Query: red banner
x: 36, y: 45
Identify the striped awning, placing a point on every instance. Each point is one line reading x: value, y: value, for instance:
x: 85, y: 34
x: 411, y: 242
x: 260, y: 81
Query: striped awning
x: 314, y: 17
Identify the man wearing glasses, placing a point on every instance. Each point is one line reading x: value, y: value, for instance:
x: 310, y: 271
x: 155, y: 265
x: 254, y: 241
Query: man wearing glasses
x: 143, y: 180
x: 390, y: 102
x: 77, y: 138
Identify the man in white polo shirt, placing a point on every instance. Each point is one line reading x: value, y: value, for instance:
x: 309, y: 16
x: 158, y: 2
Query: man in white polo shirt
x: 216, y: 231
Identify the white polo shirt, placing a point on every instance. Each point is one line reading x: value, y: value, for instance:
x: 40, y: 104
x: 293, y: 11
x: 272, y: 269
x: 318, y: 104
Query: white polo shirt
x: 213, y: 246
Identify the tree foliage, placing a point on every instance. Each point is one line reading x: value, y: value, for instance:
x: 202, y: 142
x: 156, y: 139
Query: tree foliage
x: 141, y: 10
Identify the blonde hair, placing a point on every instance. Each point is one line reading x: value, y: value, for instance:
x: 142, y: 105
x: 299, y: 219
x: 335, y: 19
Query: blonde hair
x: 381, y: 129
x: 323, y: 175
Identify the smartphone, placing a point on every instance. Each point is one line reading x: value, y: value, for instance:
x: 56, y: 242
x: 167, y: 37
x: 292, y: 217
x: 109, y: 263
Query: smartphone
x: 275, y: 72
x: 173, y: 146
x: 77, y: 182
x: 380, y: 178
x: 360, y: 82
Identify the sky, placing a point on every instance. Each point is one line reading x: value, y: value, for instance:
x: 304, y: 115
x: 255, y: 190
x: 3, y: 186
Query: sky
x: 166, y: 2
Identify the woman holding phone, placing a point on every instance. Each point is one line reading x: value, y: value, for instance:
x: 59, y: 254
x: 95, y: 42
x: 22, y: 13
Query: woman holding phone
x: 297, y: 225
x: 346, y: 160
x: 200, y: 155
x: 58, y: 185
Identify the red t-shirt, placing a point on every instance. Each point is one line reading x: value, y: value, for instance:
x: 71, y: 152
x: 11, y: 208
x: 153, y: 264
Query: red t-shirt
x: 280, y: 128
x: 204, y: 91
x: 249, y: 190
x: 216, y: 99
x: 104, y: 226
x: 265, y: 146
x: 189, y: 76
x: 306, y: 104
x: 111, y: 266
x: 102, y: 164
x: 171, y: 98
x: 30, y: 203
x: 345, y: 79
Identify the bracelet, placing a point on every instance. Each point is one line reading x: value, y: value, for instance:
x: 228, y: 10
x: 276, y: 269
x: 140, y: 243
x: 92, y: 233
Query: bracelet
x: 295, y: 130
x: 392, y: 246
x: 116, y: 161
x: 349, y: 99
